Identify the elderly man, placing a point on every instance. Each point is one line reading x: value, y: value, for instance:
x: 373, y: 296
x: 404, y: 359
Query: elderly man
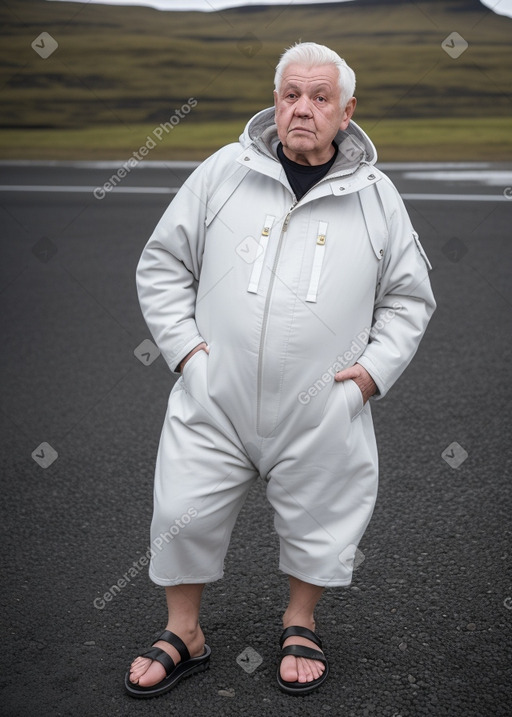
x: 286, y: 285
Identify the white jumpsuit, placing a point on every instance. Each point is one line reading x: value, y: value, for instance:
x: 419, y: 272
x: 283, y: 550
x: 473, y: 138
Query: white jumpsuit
x: 284, y: 293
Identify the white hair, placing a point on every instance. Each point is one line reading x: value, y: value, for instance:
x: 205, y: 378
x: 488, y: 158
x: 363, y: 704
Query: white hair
x: 312, y: 55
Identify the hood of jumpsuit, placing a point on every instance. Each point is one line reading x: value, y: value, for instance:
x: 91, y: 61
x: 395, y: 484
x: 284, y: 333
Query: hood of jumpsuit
x: 355, y: 147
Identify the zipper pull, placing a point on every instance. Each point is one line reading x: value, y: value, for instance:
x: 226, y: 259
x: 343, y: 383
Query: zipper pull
x: 287, y: 219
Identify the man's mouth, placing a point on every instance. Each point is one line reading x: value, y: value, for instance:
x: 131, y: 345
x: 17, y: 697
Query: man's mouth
x: 300, y: 129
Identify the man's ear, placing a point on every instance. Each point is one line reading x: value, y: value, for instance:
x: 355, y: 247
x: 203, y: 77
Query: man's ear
x: 349, y: 111
x: 275, y: 97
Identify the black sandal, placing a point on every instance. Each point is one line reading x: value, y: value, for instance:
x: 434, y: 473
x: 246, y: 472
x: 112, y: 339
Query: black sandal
x: 301, y: 688
x: 174, y: 673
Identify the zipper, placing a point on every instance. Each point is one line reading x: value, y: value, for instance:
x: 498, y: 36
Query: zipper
x: 266, y: 313
x: 271, y: 286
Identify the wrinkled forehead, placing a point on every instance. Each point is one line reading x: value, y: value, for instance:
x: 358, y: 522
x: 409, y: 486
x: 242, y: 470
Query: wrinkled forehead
x: 297, y: 75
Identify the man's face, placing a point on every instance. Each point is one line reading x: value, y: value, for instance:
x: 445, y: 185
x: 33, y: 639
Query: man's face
x: 308, y: 112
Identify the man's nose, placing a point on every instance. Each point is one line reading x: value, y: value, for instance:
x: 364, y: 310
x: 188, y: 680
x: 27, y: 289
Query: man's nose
x: 302, y: 107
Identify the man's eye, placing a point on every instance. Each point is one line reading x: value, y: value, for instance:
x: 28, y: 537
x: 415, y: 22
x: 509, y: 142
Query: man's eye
x: 321, y: 99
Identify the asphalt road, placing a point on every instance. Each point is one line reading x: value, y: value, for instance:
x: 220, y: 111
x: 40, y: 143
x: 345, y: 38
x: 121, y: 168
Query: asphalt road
x: 425, y: 627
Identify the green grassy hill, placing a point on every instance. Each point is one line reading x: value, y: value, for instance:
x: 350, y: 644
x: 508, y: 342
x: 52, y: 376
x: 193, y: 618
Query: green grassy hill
x: 118, y: 73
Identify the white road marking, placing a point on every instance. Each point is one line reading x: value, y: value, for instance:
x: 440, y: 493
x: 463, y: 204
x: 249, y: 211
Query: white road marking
x: 172, y: 164
x: 456, y: 197
x: 55, y: 189
x: 102, y: 164
x: 64, y: 188
x: 489, y: 178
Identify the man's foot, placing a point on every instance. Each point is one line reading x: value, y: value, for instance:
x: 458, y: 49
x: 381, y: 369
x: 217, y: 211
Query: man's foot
x: 301, y: 669
x: 146, y: 672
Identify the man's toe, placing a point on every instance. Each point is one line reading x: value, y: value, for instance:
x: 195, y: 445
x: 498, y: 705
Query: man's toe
x: 289, y: 669
x: 299, y: 669
x: 316, y: 668
x: 137, y: 668
x: 146, y: 672
x: 155, y: 673
x: 305, y: 670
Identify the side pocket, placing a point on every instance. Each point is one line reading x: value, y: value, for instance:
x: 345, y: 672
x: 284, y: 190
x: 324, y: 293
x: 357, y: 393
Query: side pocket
x: 189, y: 369
x: 354, y: 398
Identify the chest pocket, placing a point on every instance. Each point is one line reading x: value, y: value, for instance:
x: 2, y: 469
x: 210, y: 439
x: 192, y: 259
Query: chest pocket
x: 376, y: 229
x: 318, y: 260
x: 260, y: 255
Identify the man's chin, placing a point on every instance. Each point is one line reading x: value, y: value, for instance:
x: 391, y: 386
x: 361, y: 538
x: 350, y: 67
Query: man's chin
x: 300, y: 144
x: 301, y: 135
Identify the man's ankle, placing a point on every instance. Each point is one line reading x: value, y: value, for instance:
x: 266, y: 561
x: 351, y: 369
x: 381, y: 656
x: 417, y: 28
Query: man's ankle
x: 184, y: 630
x: 302, y: 620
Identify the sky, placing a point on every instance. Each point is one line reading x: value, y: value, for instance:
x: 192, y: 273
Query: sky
x: 502, y: 7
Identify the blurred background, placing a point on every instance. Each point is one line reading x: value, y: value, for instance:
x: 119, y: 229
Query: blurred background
x: 83, y: 80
